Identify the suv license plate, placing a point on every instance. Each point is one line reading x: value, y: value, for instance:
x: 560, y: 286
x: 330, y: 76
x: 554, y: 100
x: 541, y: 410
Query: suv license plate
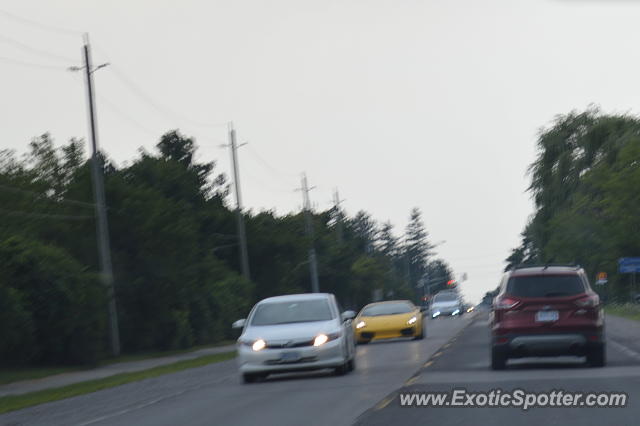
x: 289, y: 356
x: 547, y: 316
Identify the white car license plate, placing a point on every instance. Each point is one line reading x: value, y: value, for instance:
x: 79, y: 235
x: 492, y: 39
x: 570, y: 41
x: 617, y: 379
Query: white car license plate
x: 547, y: 316
x: 289, y: 356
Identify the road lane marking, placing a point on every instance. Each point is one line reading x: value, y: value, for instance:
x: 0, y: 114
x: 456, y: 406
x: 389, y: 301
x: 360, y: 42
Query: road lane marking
x: 384, y: 403
x: 152, y: 402
x: 626, y: 350
x: 412, y: 380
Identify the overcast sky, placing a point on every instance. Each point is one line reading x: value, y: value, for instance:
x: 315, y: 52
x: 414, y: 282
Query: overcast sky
x: 398, y: 103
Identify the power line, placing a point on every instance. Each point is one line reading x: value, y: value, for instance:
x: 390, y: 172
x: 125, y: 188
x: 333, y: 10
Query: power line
x: 39, y: 195
x: 45, y: 27
x: 162, y: 109
x: 268, y: 166
x: 114, y: 108
x: 31, y: 64
x: 35, y: 50
x: 44, y: 215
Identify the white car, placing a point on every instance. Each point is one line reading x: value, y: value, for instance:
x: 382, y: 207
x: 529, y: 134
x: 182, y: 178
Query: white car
x: 293, y: 333
x: 446, y: 303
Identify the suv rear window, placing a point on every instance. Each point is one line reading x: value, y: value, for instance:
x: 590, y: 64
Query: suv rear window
x: 545, y: 286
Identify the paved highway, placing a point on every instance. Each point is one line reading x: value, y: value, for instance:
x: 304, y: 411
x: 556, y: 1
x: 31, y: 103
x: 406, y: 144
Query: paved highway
x: 454, y: 355
x: 464, y: 363
x: 214, y: 395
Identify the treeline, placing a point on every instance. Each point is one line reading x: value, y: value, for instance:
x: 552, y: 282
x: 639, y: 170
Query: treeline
x: 585, y: 183
x: 174, y: 251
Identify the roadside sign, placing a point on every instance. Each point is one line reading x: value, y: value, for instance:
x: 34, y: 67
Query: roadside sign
x: 629, y: 265
x: 601, y: 278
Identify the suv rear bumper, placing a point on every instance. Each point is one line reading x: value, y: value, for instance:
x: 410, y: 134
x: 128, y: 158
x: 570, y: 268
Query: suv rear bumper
x: 525, y: 345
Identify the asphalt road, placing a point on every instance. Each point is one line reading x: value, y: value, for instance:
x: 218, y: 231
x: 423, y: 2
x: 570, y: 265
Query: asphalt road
x: 214, y: 395
x: 465, y: 364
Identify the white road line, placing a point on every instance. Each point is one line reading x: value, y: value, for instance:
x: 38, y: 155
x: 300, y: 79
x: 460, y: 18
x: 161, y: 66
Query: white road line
x: 626, y: 350
x: 148, y: 403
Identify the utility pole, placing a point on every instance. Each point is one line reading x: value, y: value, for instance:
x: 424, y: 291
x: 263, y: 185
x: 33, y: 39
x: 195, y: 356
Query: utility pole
x: 313, y: 266
x: 104, y: 249
x: 336, y: 202
x: 242, y: 236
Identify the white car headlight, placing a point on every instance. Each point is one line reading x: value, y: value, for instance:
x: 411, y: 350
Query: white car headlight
x: 320, y: 339
x: 435, y: 314
x: 456, y: 312
x: 361, y: 324
x: 412, y: 320
x: 259, y: 345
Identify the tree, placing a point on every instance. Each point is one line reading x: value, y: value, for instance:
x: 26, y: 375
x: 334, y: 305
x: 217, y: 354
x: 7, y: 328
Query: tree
x: 417, y: 247
x: 584, y: 182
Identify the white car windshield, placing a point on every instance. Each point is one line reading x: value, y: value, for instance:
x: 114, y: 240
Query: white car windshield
x: 290, y: 312
x: 445, y: 297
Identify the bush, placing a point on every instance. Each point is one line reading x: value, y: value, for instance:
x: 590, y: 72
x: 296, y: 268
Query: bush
x: 61, y: 308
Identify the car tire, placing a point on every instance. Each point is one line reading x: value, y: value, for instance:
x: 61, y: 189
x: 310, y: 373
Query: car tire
x: 498, y: 359
x: 342, y: 369
x: 596, y: 357
x: 251, y: 377
x: 351, y: 364
x: 421, y: 335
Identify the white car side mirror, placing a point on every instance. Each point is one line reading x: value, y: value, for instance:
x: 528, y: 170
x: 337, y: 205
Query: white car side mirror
x: 347, y: 315
x: 239, y: 323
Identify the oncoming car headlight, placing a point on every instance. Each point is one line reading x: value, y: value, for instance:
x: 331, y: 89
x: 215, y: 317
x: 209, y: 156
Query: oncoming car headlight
x: 322, y: 338
x: 258, y: 345
x: 412, y: 320
x: 361, y: 324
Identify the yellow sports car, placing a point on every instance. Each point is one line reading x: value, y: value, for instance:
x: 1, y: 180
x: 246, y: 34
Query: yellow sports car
x: 385, y: 320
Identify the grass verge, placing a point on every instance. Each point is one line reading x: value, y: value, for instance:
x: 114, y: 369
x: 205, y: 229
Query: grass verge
x: 626, y: 310
x: 159, y: 354
x: 17, y: 402
x: 17, y: 374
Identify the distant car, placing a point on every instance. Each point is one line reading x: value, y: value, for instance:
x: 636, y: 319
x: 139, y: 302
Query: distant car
x: 547, y: 311
x: 294, y: 333
x: 446, y: 303
x: 385, y: 320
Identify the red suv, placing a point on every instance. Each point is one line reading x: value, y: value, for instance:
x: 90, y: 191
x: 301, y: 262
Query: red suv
x: 546, y: 311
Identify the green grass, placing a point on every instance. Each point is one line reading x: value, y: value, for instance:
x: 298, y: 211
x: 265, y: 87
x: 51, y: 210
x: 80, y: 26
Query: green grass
x: 17, y: 374
x: 159, y: 354
x: 17, y: 402
x: 626, y: 310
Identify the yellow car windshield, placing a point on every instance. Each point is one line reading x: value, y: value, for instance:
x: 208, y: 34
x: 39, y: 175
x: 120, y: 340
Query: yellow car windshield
x: 393, y: 308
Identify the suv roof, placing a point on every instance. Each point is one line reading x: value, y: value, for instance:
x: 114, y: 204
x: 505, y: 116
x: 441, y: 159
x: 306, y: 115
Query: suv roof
x: 542, y: 270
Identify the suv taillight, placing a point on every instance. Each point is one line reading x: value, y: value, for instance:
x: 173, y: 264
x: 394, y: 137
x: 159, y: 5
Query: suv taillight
x: 588, y: 301
x: 505, y: 302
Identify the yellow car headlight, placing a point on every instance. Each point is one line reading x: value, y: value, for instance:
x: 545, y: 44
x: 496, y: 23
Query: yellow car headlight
x: 412, y: 320
x: 361, y: 324
x: 259, y: 345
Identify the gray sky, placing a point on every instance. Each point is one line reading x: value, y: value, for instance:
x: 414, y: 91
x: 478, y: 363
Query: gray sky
x: 398, y: 103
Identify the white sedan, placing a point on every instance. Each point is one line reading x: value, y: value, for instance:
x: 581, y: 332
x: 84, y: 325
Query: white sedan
x: 295, y: 333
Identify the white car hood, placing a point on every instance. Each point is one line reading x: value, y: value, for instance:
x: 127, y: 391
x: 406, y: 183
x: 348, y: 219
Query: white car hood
x: 294, y: 331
